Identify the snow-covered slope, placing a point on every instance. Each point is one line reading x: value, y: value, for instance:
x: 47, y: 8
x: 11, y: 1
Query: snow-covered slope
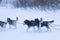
x: 30, y: 14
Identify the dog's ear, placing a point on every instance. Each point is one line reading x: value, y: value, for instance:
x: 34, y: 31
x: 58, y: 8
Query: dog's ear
x: 16, y: 18
x: 36, y: 19
x: 8, y: 19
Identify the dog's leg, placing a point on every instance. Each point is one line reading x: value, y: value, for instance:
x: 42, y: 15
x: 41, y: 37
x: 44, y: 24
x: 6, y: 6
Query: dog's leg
x: 1, y: 28
x: 39, y: 27
x: 4, y: 27
x: 48, y: 29
x: 9, y: 26
x: 27, y: 29
x: 15, y: 26
x: 34, y: 29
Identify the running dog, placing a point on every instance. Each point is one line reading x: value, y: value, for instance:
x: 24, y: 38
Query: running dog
x: 46, y: 24
x: 32, y: 23
x: 12, y: 22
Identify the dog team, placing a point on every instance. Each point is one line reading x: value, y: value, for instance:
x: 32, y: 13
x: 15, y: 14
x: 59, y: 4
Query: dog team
x: 30, y: 23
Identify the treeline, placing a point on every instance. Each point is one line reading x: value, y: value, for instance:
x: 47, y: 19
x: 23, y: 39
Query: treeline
x: 0, y: 1
x: 37, y: 3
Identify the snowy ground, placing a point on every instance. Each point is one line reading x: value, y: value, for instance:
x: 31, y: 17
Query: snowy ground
x: 30, y: 14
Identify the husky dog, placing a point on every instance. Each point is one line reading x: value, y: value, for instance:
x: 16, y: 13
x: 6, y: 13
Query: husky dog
x: 46, y: 24
x: 3, y: 24
x: 12, y: 22
x: 32, y: 23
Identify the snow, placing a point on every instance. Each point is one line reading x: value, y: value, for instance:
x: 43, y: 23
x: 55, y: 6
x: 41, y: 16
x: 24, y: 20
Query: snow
x: 26, y: 13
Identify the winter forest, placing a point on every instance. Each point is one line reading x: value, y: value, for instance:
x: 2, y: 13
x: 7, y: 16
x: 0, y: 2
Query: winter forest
x: 29, y: 19
x: 55, y: 4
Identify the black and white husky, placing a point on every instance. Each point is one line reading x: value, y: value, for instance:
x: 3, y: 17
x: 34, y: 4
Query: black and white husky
x: 46, y: 24
x: 12, y: 22
x: 32, y: 23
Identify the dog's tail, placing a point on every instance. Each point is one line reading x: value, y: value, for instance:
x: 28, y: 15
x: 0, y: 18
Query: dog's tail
x: 51, y: 21
x: 16, y: 18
